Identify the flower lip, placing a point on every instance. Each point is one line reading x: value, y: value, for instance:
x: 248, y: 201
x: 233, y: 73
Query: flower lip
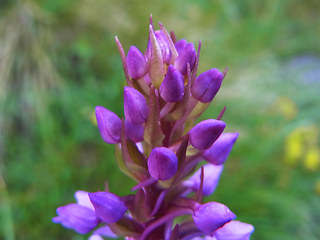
x: 211, y: 216
x: 162, y: 163
x: 234, y: 230
x: 136, y: 63
x: 205, y: 133
x: 108, y: 206
x: 206, y: 85
x: 218, y: 153
x: 172, y: 87
x: 135, y: 106
x: 109, y: 125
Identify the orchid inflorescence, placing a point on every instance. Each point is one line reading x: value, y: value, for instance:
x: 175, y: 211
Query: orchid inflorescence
x: 158, y: 146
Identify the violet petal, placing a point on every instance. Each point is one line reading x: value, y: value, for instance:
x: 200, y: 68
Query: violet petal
x: 172, y: 87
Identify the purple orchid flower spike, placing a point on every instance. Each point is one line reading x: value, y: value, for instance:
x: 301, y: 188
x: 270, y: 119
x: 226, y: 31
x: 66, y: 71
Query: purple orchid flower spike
x: 159, y: 147
x: 220, y: 150
x: 206, y: 85
x: 210, y: 181
x: 109, y: 125
x: 234, y: 230
x: 108, y: 206
x: 211, y: 216
x: 136, y: 63
x: 187, y: 55
x: 162, y: 163
x: 205, y: 133
x: 135, y: 106
x: 172, y: 87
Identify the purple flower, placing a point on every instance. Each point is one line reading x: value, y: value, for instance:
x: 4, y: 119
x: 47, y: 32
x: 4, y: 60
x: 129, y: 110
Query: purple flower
x: 180, y: 45
x: 135, y: 106
x: 210, y: 179
x: 164, y: 46
x: 172, y: 87
x: 109, y: 125
x: 78, y: 216
x: 162, y: 163
x: 104, y: 231
x: 187, y: 55
x: 220, y: 150
x: 210, y: 216
x: 137, y: 65
x: 206, y: 85
x: 205, y: 133
x: 134, y: 131
x: 108, y: 206
x: 234, y: 230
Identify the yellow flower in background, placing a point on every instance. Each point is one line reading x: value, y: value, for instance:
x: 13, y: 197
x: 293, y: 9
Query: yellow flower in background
x: 302, y: 144
x: 286, y: 107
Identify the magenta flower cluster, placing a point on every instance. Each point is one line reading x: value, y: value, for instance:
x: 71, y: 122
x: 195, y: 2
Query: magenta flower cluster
x: 159, y: 146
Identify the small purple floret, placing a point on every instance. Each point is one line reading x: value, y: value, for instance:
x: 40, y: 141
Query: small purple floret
x: 220, y: 150
x: 108, y: 206
x: 162, y: 163
x: 109, y: 125
x: 180, y: 45
x: 164, y: 46
x: 187, y: 55
x: 234, y: 230
x: 210, y: 216
x: 136, y: 63
x: 206, y: 85
x: 210, y: 179
x: 135, y: 106
x: 76, y: 217
x: 205, y: 133
x: 172, y: 87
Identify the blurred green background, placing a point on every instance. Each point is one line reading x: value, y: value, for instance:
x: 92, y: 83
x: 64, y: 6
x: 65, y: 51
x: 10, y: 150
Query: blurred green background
x: 58, y: 60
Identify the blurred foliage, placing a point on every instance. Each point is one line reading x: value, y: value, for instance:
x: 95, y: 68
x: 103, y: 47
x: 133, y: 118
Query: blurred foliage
x: 58, y: 61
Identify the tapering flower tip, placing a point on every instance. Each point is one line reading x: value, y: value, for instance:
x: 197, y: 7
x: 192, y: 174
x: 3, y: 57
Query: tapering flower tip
x: 162, y: 163
x: 108, y: 206
x: 187, y: 55
x: 134, y: 131
x: 234, y: 230
x: 135, y: 106
x: 180, y: 45
x: 211, y: 216
x: 76, y: 217
x: 210, y: 179
x: 172, y: 87
x: 218, y: 153
x: 109, y: 125
x: 164, y: 46
x: 136, y: 63
x: 205, y: 133
x: 206, y: 85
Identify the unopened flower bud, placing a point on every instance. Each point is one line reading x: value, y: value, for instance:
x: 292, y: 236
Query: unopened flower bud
x: 206, y: 85
x: 136, y: 63
x: 108, y: 206
x: 180, y: 45
x: 134, y: 131
x: 109, y: 125
x: 220, y: 150
x: 211, y: 216
x: 162, y: 163
x: 234, y: 230
x: 211, y: 175
x: 187, y: 55
x: 205, y: 133
x: 135, y: 106
x: 172, y: 87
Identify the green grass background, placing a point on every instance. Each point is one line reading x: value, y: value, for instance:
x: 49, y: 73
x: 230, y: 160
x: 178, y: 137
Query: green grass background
x: 58, y: 60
